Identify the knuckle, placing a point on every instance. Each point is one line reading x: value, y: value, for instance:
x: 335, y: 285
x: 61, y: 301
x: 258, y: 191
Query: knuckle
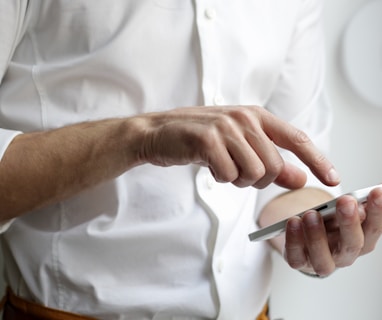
x: 257, y: 172
x: 223, y: 121
x: 348, y: 255
x: 242, y: 115
x: 295, y: 260
x: 295, y: 257
x: 300, y: 137
x: 250, y: 176
x: 353, y: 250
x: 227, y: 176
x: 319, y: 160
x: 275, y: 167
x: 262, y: 184
x: 208, y: 139
x: 374, y: 230
x: 324, y: 271
x: 268, y: 170
x: 254, y: 174
x: 241, y: 183
x: 297, y: 264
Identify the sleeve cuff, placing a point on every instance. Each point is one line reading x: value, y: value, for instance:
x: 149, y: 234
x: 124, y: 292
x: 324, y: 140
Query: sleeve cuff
x: 6, y: 137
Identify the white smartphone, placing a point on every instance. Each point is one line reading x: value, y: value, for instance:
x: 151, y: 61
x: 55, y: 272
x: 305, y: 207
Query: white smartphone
x: 326, y: 210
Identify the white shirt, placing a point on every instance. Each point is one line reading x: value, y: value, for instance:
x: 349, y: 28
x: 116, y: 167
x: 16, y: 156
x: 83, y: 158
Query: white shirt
x: 154, y: 243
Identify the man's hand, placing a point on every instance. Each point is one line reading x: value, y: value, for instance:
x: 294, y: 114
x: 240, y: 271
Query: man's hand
x: 313, y: 247
x: 238, y: 144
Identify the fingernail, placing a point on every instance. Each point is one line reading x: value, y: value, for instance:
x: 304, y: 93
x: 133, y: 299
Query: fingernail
x: 333, y: 175
x: 311, y: 218
x: 378, y: 201
x: 294, y: 224
x: 347, y: 209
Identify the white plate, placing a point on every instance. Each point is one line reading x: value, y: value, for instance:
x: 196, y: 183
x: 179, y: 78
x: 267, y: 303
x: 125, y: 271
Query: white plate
x: 362, y: 53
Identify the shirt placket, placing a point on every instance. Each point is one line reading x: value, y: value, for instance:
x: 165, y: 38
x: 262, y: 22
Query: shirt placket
x: 207, y: 21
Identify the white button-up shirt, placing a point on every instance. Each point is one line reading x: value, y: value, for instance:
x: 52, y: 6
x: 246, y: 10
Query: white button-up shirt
x: 154, y: 243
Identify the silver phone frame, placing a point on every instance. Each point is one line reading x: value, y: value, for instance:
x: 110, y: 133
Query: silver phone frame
x: 326, y: 209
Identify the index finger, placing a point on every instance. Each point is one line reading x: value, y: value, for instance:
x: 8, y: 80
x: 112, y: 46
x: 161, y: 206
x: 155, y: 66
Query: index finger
x: 288, y: 137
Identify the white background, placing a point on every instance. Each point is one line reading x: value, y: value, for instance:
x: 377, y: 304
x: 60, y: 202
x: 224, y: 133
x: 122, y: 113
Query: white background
x: 353, y: 293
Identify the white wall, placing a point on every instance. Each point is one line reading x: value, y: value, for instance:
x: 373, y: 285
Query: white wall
x: 353, y: 293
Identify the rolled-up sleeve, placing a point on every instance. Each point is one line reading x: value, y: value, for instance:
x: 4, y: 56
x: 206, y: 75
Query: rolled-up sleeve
x: 12, y: 17
x: 300, y: 97
x: 6, y: 137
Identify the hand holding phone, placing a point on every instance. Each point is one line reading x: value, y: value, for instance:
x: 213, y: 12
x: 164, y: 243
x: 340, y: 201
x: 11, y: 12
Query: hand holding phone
x: 327, y: 210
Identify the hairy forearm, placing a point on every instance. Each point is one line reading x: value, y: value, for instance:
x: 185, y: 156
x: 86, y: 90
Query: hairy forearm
x: 288, y: 204
x: 44, y: 167
x: 236, y: 143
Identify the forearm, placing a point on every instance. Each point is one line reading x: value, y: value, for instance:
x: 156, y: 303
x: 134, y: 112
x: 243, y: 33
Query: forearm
x: 288, y: 204
x: 236, y: 143
x: 45, y: 167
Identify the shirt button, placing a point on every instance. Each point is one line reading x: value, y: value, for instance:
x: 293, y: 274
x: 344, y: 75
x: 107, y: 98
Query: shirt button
x: 218, y: 100
x: 210, y: 14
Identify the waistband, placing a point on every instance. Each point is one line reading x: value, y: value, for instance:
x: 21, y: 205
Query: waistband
x: 17, y: 308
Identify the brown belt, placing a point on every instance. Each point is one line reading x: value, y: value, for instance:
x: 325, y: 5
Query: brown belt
x: 16, y: 308
x: 264, y: 313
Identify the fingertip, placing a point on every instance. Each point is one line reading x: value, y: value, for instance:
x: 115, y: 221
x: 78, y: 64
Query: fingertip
x: 333, y: 177
x: 345, y: 200
x: 294, y: 224
x: 347, y: 206
x: 376, y: 196
x: 311, y: 218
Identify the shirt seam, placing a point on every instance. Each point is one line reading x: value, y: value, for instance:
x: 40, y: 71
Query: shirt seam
x: 56, y: 261
x: 35, y: 77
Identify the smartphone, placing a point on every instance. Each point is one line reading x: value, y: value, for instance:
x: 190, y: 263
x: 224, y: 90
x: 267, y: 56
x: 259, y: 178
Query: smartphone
x: 326, y: 210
